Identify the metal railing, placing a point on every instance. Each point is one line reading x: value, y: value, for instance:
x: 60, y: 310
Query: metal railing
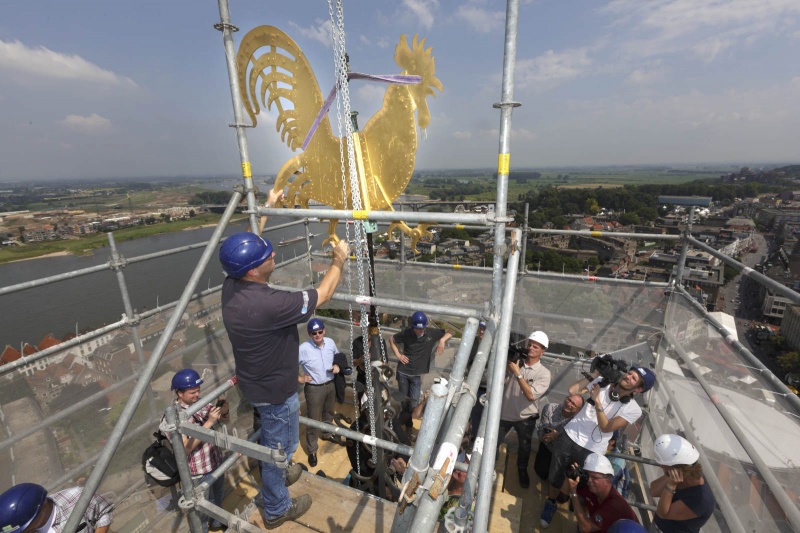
x: 448, y: 417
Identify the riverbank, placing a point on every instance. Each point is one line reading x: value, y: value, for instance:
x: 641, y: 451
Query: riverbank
x: 86, y: 245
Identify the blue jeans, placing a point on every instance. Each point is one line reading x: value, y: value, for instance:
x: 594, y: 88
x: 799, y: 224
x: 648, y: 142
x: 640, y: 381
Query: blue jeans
x: 409, y: 386
x: 214, y: 494
x: 280, y: 424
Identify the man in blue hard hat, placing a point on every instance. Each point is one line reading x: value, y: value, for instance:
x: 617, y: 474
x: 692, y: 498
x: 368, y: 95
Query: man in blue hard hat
x: 203, y: 457
x: 418, y: 343
x: 262, y: 327
x: 28, y: 508
x: 316, y: 358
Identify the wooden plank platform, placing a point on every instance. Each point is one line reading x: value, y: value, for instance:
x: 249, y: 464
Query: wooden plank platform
x: 338, y: 508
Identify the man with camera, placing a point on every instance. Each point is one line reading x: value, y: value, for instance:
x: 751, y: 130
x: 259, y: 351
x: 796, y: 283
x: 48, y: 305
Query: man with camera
x: 526, y: 381
x: 551, y: 424
x: 610, y: 407
x: 203, y: 457
x: 596, y: 502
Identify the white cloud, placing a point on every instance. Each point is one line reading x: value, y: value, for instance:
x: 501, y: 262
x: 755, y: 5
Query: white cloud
x: 704, y: 27
x: 382, y: 42
x: 462, y: 135
x: 320, y: 32
x: 92, y: 123
x: 647, y: 74
x: 422, y: 10
x: 552, y: 68
x: 522, y: 134
x: 479, y: 18
x: 41, y: 62
x: 708, y: 49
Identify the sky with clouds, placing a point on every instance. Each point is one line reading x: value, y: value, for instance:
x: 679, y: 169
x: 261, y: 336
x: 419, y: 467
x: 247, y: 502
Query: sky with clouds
x: 137, y: 89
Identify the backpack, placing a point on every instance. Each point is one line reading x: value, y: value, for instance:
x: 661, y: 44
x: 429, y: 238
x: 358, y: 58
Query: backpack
x: 158, y: 463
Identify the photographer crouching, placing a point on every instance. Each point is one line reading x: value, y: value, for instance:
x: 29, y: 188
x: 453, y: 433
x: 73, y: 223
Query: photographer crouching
x: 609, y: 408
x: 596, y: 502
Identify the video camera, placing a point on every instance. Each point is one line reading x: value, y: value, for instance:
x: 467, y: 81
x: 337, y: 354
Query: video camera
x: 516, y: 353
x: 610, y: 369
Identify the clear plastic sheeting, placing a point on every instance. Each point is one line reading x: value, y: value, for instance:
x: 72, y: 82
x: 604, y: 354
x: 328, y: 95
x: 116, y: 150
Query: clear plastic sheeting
x: 763, y: 416
x: 57, y: 412
x: 69, y: 403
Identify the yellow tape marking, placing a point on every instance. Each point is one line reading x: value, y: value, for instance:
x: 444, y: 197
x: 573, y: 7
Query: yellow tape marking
x: 246, y: 170
x: 503, y: 161
x: 361, y: 215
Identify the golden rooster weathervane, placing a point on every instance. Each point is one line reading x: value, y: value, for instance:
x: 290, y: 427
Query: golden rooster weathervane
x: 388, y: 143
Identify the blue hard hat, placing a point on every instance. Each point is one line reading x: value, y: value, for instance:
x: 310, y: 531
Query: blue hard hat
x: 315, y: 324
x: 648, y: 377
x: 19, y: 505
x: 243, y: 251
x: 627, y: 526
x: 419, y: 320
x: 186, y: 379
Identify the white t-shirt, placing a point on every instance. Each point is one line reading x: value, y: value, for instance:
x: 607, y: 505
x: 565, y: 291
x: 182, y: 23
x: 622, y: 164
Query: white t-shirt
x: 583, y: 428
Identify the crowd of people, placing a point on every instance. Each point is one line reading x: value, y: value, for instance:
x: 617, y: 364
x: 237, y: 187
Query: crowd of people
x: 262, y: 326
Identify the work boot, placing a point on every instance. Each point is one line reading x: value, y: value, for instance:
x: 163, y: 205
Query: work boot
x: 524, y: 480
x: 312, y: 460
x: 299, y: 506
x: 293, y: 473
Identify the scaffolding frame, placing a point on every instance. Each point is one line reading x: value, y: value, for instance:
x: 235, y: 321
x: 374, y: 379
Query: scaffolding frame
x: 498, y: 312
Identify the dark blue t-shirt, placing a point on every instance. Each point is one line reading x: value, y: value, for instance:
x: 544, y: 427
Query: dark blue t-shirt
x: 700, y: 500
x: 262, y: 326
x: 417, y: 349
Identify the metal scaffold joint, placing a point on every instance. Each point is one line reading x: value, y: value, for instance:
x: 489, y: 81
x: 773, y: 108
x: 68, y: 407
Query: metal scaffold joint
x: 510, y: 103
x: 496, y: 220
x: 118, y: 263
x: 186, y: 503
x: 234, y: 125
x: 245, y: 190
x: 133, y: 321
x: 222, y: 26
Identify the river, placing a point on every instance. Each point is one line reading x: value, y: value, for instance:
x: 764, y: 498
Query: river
x: 88, y: 302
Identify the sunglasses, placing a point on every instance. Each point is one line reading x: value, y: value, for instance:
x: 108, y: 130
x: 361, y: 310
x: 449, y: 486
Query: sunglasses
x: 318, y: 332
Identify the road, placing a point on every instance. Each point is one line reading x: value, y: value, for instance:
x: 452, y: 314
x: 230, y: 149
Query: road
x: 748, y: 310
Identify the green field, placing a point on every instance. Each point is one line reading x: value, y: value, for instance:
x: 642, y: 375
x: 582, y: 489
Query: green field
x: 565, y: 177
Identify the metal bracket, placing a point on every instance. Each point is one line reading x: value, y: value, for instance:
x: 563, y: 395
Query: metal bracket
x: 185, y: 503
x: 509, y: 103
x: 134, y: 320
x: 243, y: 190
x: 241, y: 126
x: 119, y: 262
x: 222, y: 26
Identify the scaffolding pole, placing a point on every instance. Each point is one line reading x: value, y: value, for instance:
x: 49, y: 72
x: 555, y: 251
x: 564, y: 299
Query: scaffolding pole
x: 118, y: 263
x: 492, y: 411
x: 146, y: 374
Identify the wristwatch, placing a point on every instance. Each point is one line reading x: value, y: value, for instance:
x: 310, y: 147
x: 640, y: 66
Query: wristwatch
x: 519, y: 376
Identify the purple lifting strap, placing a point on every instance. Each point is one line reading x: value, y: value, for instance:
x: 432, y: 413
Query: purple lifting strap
x: 402, y: 79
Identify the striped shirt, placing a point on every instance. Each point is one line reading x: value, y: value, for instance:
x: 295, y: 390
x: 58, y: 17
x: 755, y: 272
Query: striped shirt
x: 205, y: 457
x: 98, y: 514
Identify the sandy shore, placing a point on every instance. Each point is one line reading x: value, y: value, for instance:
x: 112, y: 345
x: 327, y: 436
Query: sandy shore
x: 54, y: 254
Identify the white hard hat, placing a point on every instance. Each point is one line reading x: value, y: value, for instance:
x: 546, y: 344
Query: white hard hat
x: 540, y: 337
x: 598, y: 463
x: 674, y: 450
